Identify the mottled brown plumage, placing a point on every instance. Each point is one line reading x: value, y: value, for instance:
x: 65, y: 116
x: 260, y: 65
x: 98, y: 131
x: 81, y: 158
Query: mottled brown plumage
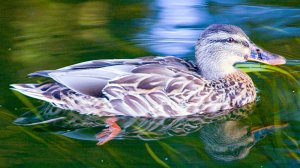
x: 158, y: 86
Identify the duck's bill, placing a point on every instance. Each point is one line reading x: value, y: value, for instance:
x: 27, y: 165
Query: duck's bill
x: 260, y: 55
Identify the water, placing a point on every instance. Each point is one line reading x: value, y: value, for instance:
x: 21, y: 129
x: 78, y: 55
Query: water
x: 51, y: 34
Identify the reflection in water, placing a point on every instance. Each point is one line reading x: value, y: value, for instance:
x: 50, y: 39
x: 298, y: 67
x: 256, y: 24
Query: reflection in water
x: 244, y: 15
x: 232, y: 140
x: 51, y: 32
x: 55, y: 33
x: 223, y: 134
x: 171, y: 33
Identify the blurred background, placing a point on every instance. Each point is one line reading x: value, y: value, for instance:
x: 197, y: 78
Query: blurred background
x: 49, y: 34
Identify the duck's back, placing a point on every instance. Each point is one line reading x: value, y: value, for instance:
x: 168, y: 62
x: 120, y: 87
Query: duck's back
x: 149, y: 86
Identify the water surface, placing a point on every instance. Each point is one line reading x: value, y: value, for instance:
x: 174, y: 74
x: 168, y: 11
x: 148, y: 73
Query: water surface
x: 50, y: 34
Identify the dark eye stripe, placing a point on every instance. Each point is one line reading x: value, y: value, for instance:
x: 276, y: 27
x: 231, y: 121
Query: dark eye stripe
x: 244, y: 43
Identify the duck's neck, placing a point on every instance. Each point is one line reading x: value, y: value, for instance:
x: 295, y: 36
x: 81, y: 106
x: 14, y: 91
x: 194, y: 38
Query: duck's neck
x: 214, y: 71
x: 214, y: 65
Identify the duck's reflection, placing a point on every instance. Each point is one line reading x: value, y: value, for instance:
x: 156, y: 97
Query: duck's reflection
x: 232, y: 140
x: 225, y: 135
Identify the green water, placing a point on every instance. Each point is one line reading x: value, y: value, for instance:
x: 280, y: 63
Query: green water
x: 49, y: 34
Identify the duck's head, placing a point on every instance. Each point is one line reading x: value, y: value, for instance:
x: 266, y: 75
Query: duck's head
x: 220, y: 46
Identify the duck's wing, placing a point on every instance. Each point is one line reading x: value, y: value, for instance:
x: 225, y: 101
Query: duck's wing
x: 180, y: 63
x: 157, y: 90
x: 89, y: 78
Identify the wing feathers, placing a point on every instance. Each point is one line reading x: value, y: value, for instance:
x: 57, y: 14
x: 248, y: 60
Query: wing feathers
x: 82, y: 84
x: 90, y: 81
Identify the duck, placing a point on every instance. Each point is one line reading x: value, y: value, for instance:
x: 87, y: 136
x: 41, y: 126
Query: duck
x: 159, y: 86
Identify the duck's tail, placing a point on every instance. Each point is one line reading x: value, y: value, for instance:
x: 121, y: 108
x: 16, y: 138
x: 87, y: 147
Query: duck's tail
x: 62, y: 97
x: 44, y: 92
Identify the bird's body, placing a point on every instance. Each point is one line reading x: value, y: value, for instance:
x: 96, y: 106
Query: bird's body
x: 156, y: 86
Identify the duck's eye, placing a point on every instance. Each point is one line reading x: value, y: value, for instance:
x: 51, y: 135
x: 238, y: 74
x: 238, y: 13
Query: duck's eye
x: 230, y: 40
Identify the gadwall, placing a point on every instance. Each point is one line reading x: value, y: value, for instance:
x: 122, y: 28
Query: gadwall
x: 159, y: 86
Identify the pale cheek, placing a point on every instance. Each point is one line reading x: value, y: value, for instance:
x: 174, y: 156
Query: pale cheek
x: 246, y: 51
x: 239, y: 53
x: 242, y: 51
